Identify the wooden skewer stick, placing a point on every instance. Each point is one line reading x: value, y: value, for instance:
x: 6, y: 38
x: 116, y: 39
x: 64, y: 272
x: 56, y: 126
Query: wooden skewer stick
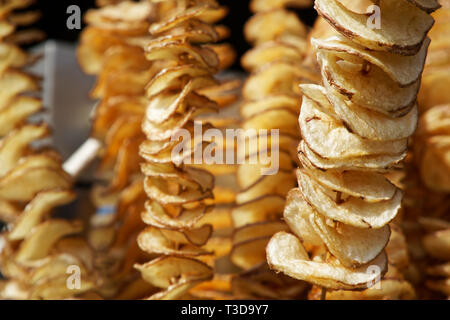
x: 323, y: 294
x: 81, y: 158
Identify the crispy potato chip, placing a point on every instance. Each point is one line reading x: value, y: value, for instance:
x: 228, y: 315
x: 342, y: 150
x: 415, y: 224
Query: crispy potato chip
x: 435, y: 121
x: 13, y: 147
x: 352, y: 246
x: 364, y: 122
x: 14, y: 82
x: 266, y: 5
x: 249, y: 254
x: 12, y: 56
x: 372, y: 163
x: 249, y: 243
x: 403, y: 70
x: 283, y: 119
x: 437, y: 244
x: 172, y: 78
x: 281, y: 21
x: 331, y: 140
x: 247, y: 174
x: 126, y: 18
x: 166, y: 271
x: 286, y: 254
x: 361, y: 88
x: 276, y: 78
x: 433, y: 90
x: 262, y: 283
x: 266, y: 208
x: 271, y: 52
x: 296, y: 215
x: 352, y: 211
x: 369, y: 186
x: 389, y: 288
x: 439, y: 285
x: 17, y: 111
x: 8, y: 212
x: 33, y: 175
x: 37, y: 209
x: 400, y: 18
x: 38, y: 243
x: 251, y: 108
x: 436, y: 177
x: 166, y: 241
x: 278, y: 184
x: 57, y: 289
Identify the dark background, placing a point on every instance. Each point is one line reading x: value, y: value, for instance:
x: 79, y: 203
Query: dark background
x: 54, y: 20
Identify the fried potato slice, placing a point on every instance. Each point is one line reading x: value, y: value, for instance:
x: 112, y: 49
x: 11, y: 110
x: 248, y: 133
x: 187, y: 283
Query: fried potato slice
x: 176, y: 274
x: 283, y: 119
x: 437, y: 244
x: 266, y: 208
x: 249, y: 243
x: 257, y: 230
x: 435, y: 121
x: 352, y: 246
x: 373, y: 163
x: 286, y: 254
x: 14, y: 146
x: 266, y: 5
x: 296, y: 215
x: 369, y: 186
x: 37, y: 209
x: 55, y: 267
x: 57, y: 289
x: 364, y: 122
x: 248, y: 173
x: 12, y: 83
x: 403, y: 70
x: 392, y: 288
x: 352, y: 211
x: 12, y: 56
x: 16, y: 112
x: 164, y: 105
x: 159, y: 188
x: 433, y: 90
x: 278, y: 184
x: 281, y: 22
x: 156, y: 214
x: 253, y: 107
x: 38, y: 244
x: 35, y: 174
x: 250, y: 253
x: 166, y: 241
x: 126, y: 18
x: 363, y: 88
x: 174, y: 78
x: 437, y: 153
x: 183, y: 52
x: 400, y: 18
x: 271, y: 51
x: 277, y: 78
x: 262, y: 283
x: 331, y: 140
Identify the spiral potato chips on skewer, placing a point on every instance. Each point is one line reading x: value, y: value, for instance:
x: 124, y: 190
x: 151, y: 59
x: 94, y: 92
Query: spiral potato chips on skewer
x: 355, y: 128
x: 38, y: 248
x: 270, y: 102
x: 180, y: 195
